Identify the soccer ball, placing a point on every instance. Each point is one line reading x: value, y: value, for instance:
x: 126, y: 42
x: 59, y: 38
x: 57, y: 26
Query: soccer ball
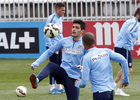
x: 21, y: 91
x: 51, y: 30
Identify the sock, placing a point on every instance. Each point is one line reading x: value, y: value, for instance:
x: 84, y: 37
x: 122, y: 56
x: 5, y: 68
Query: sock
x: 115, y: 84
x: 52, y: 86
x: 59, y: 86
x: 37, y: 80
x: 119, y: 89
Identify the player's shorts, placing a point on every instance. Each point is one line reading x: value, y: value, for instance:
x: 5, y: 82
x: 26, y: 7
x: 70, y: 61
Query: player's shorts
x: 107, y: 95
x: 123, y: 52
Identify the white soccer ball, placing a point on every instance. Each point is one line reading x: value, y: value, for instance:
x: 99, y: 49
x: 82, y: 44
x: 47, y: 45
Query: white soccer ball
x: 51, y: 30
x: 21, y: 91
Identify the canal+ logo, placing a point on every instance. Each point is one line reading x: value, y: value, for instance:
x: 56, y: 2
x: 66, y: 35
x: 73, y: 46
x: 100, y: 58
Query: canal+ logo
x: 19, y: 40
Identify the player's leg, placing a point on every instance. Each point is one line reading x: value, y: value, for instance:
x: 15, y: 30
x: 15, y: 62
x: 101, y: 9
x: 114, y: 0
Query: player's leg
x: 59, y: 86
x: 51, y: 79
x: 72, y: 92
x: 61, y: 76
x: 118, y: 77
x: 34, y: 81
x: 130, y: 62
x: 52, y: 90
x: 119, y: 89
x: 50, y: 68
x: 130, y: 71
x: 52, y: 86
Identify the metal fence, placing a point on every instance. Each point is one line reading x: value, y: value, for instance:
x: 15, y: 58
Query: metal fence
x: 39, y: 10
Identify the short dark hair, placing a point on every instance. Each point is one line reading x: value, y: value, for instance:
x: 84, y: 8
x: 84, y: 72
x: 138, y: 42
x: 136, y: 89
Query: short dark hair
x: 137, y: 12
x: 59, y: 5
x: 89, y: 38
x: 82, y: 24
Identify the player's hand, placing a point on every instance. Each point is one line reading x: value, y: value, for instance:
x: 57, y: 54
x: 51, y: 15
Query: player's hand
x: 57, y: 52
x: 77, y: 81
x: 33, y: 68
x: 80, y: 67
x: 124, y: 85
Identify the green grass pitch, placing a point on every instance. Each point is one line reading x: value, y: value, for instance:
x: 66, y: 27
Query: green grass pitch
x: 16, y: 72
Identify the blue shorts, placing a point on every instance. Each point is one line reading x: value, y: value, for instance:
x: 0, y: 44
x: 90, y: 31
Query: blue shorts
x: 127, y: 54
x: 107, y: 95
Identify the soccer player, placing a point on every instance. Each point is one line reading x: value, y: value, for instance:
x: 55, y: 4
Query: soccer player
x: 66, y: 73
x: 56, y: 57
x: 124, y: 45
x: 98, y: 68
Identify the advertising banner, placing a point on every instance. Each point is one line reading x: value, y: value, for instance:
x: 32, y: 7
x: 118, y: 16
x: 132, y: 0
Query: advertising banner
x: 106, y: 33
x: 21, y: 39
x: 26, y: 39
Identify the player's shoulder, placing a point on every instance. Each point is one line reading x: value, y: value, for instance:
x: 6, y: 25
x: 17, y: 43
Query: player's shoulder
x: 131, y: 21
x: 66, y: 41
x: 51, y: 16
x: 92, y: 52
x: 108, y: 50
x: 67, y: 38
x: 95, y: 52
x: 104, y: 50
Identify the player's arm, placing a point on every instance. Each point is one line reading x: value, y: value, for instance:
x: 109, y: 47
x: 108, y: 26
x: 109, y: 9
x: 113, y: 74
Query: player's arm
x: 120, y: 59
x: 81, y: 83
x: 130, y: 30
x: 47, y: 54
x: 136, y: 43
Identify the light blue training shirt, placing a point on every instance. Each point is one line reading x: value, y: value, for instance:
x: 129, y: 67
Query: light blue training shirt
x: 128, y: 34
x: 54, y: 18
x: 72, y: 54
x: 97, y: 68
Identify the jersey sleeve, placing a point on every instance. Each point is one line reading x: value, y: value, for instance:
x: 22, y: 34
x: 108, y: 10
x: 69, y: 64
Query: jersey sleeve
x: 130, y: 30
x: 48, y: 53
x: 85, y: 74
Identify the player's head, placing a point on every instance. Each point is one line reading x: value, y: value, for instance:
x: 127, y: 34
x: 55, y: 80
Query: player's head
x: 81, y: 23
x: 88, y: 40
x: 137, y: 14
x: 78, y: 28
x: 60, y: 9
